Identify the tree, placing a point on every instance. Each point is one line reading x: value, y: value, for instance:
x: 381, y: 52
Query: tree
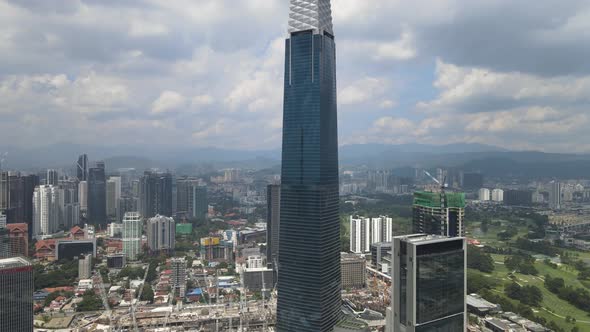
x: 479, y: 260
x: 148, y: 293
x: 513, y: 291
x: 90, y: 302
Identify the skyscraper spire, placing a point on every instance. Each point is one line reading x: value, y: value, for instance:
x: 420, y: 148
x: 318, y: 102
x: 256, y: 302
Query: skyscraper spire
x: 313, y: 15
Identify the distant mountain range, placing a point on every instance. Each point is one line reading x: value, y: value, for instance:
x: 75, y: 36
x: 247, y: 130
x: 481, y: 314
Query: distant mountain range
x: 478, y: 157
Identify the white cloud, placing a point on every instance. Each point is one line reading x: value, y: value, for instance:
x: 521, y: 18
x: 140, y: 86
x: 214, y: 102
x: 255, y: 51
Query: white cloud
x: 169, y: 101
x: 465, y: 89
x: 202, y: 100
x: 363, y: 90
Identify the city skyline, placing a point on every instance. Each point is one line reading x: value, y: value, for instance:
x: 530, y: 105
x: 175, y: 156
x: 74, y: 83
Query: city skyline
x: 183, y: 71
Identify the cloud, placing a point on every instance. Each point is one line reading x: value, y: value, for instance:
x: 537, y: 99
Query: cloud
x: 363, y: 90
x: 210, y: 72
x: 467, y: 89
x: 169, y: 101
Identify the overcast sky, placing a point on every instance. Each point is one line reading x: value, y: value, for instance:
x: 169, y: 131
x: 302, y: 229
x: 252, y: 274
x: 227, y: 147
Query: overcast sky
x: 515, y: 74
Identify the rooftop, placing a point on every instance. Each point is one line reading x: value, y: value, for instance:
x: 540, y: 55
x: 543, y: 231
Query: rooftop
x: 13, y: 262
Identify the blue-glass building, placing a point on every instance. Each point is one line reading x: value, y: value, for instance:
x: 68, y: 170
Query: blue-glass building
x: 429, y: 284
x: 309, y: 281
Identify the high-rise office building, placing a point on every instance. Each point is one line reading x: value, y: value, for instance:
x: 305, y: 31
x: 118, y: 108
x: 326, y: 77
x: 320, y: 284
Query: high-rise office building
x: 52, y: 177
x: 161, y: 234
x: 47, y: 210
x: 178, y: 277
x: 273, y: 212
x: 71, y: 215
x: 16, y: 294
x: 555, y: 195
x: 437, y: 214
x: 111, y: 200
x: 3, y: 191
x: 429, y: 284
x: 30, y: 183
x: 82, y: 168
x: 15, y: 212
x: 200, y: 203
x: 83, y: 195
x: 97, y: 205
x: 309, y: 280
x: 132, y: 230
x: 155, y: 194
x: 118, y: 192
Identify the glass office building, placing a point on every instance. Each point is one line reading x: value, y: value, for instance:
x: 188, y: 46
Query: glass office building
x: 429, y: 289
x: 309, y: 280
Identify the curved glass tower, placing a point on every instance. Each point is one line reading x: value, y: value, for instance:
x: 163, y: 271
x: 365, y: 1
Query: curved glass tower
x: 309, y: 282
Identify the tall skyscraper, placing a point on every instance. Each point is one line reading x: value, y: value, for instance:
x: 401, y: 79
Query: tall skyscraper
x: 555, y: 195
x: 309, y: 279
x: 71, y: 215
x: 429, y: 286
x: 52, y: 178
x: 111, y: 199
x: 16, y: 206
x: 3, y: 191
x: 273, y: 204
x: 82, y: 168
x: 83, y: 195
x: 161, y: 234
x: 437, y: 214
x: 47, y: 210
x: 16, y: 295
x: 30, y: 183
x: 200, y: 202
x: 132, y: 229
x: 97, y: 205
x: 155, y: 194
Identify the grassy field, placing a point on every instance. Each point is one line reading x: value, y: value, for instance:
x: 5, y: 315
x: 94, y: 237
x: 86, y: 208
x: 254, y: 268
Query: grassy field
x: 552, y: 308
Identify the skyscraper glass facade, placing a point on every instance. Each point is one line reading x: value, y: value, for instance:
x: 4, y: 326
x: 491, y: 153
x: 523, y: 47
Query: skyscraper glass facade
x: 309, y: 279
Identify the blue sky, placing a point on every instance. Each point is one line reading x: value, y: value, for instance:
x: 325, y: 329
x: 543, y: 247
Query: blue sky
x: 209, y: 72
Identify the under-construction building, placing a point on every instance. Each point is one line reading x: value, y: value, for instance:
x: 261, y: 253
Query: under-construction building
x: 214, y: 249
x: 439, y: 213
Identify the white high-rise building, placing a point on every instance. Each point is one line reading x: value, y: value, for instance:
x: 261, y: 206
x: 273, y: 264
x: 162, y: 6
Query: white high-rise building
x: 498, y: 195
x: 367, y: 231
x: 2, y: 219
x: 161, y: 233
x: 178, y: 278
x: 47, y: 210
x: 85, y: 267
x: 132, y: 230
x: 360, y: 233
x: 83, y: 195
x: 484, y: 194
x: 555, y: 195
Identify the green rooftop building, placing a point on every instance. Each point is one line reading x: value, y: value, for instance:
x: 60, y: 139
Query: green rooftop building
x: 438, y: 214
x: 184, y: 229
